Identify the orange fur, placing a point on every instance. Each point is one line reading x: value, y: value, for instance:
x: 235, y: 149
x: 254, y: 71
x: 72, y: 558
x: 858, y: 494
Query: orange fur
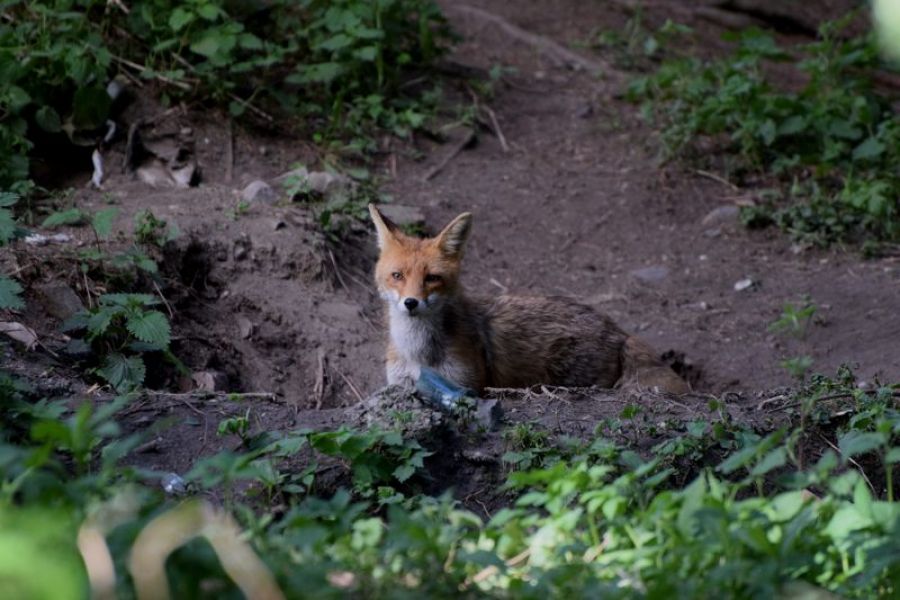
x: 506, y: 341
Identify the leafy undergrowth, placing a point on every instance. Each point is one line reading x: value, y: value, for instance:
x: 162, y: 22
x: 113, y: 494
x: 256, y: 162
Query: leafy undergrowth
x: 590, y: 518
x: 816, y: 131
x: 341, y: 66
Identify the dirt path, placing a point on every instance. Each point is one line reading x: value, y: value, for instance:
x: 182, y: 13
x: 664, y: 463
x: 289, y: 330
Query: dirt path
x: 579, y: 206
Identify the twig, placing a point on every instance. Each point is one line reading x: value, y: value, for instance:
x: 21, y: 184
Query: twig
x: 244, y: 103
x: 462, y: 144
x: 229, y: 152
x: 319, y: 387
x: 337, y: 271
x: 158, y: 76
x: 718, y: 178
x: 497, y: 130
x: 118, y: 4
x: 560, y: 55
x: 165, y: 302
x: 850, y: 460
x: 352, y: 387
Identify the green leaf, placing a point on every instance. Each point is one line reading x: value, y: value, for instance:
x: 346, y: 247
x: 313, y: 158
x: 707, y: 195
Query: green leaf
x: 773, y: 460
x: 893, y: 456
x: 869, y: 149
x: 210, y: 11
x: 9, y: 293
x: 859, y: 442
x: 151, y: 326
x: 180, y: 18
x: 48, y: 119
x: 99, y: 320
x: 73, y: 216
x: 124, y: 373
x: 8, y: 199
x: 103, y: 221
x: 17, y: 98
x: 7, y: 226
x: 90, y: 107
x: 404, y: 472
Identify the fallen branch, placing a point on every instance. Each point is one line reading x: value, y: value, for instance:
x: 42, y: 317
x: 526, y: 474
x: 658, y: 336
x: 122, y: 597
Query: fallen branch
x: 462, y: 144
x: 559, y: 54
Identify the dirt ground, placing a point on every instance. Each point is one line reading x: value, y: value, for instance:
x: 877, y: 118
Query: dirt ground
x: 578, y: 205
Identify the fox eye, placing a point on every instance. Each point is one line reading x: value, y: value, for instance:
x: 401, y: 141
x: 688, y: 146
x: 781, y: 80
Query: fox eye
x: 431, y: 278
x: 397, y: 275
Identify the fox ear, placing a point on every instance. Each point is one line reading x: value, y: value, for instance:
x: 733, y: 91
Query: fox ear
x: 452, y: 239
x: 387, y: 230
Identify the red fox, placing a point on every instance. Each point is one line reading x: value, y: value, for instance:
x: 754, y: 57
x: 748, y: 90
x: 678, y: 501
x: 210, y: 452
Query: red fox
x: 506, y: 341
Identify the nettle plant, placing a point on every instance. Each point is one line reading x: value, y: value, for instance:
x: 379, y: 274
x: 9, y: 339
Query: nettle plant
x: 830, y: 147
x: 120, y: 330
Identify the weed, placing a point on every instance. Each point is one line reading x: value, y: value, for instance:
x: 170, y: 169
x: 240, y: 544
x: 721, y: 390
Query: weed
x: 831, y: 147
x: 120, y: 329
x: 349, y: 58
x: 795, y: 320
x: 152, y: 231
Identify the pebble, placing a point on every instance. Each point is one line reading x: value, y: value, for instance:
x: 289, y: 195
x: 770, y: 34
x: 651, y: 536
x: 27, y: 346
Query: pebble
x: 722, y: 215
x: 60, y: 301
x: 259, y: 191
x: 652, y: 274
x: 745, y: 284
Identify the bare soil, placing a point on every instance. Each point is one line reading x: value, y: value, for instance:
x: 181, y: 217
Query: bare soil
x: 579, y: 205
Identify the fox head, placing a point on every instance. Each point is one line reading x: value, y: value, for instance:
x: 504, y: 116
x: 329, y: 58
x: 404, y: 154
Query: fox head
x: 416, y: 276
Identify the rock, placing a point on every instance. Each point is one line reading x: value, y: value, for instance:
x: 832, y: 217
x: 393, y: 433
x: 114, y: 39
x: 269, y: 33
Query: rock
x: 403, y: 215
x: 652, y: 274
x: 259, y: 191
x: 37, y: 239
x: 746, y: 284
x: 210, y: 381
x: 722, y: 215
x: 60, y: 301
x: 488, y: 413
x: 245, y: 327
x: 301, y: 182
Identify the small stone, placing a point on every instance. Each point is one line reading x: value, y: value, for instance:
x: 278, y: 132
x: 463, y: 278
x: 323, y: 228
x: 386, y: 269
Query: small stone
x: 585, y: 110
x: 60, y: 301
x: 652, y: 274
x: 745, y: 284
x: 713, y: 232
x: 722, y: 215
x: 210, y: 381
x: 245, y: 327
x: 303, y: 182
x: 403, y: 215
x: 259, y: 191
x: 488, y: 413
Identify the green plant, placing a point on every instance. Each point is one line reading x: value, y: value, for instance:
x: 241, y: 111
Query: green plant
x: 152, y: 231
x: 120, y: 329
x: 794, y: 320
x: 837, y: 134
x: 350, y: 59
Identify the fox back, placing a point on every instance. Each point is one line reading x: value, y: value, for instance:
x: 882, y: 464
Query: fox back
x: 505, y: 341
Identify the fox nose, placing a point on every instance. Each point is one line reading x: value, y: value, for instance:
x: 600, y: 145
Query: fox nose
x: 410, y: 304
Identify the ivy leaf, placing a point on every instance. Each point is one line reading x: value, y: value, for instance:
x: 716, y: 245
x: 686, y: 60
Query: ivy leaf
x: 122, y: 372
x: 150, y: 326
x: 9, y: 293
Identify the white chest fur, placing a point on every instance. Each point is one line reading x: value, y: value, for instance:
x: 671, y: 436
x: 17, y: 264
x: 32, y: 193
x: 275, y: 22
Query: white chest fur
x: 418, y: 342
